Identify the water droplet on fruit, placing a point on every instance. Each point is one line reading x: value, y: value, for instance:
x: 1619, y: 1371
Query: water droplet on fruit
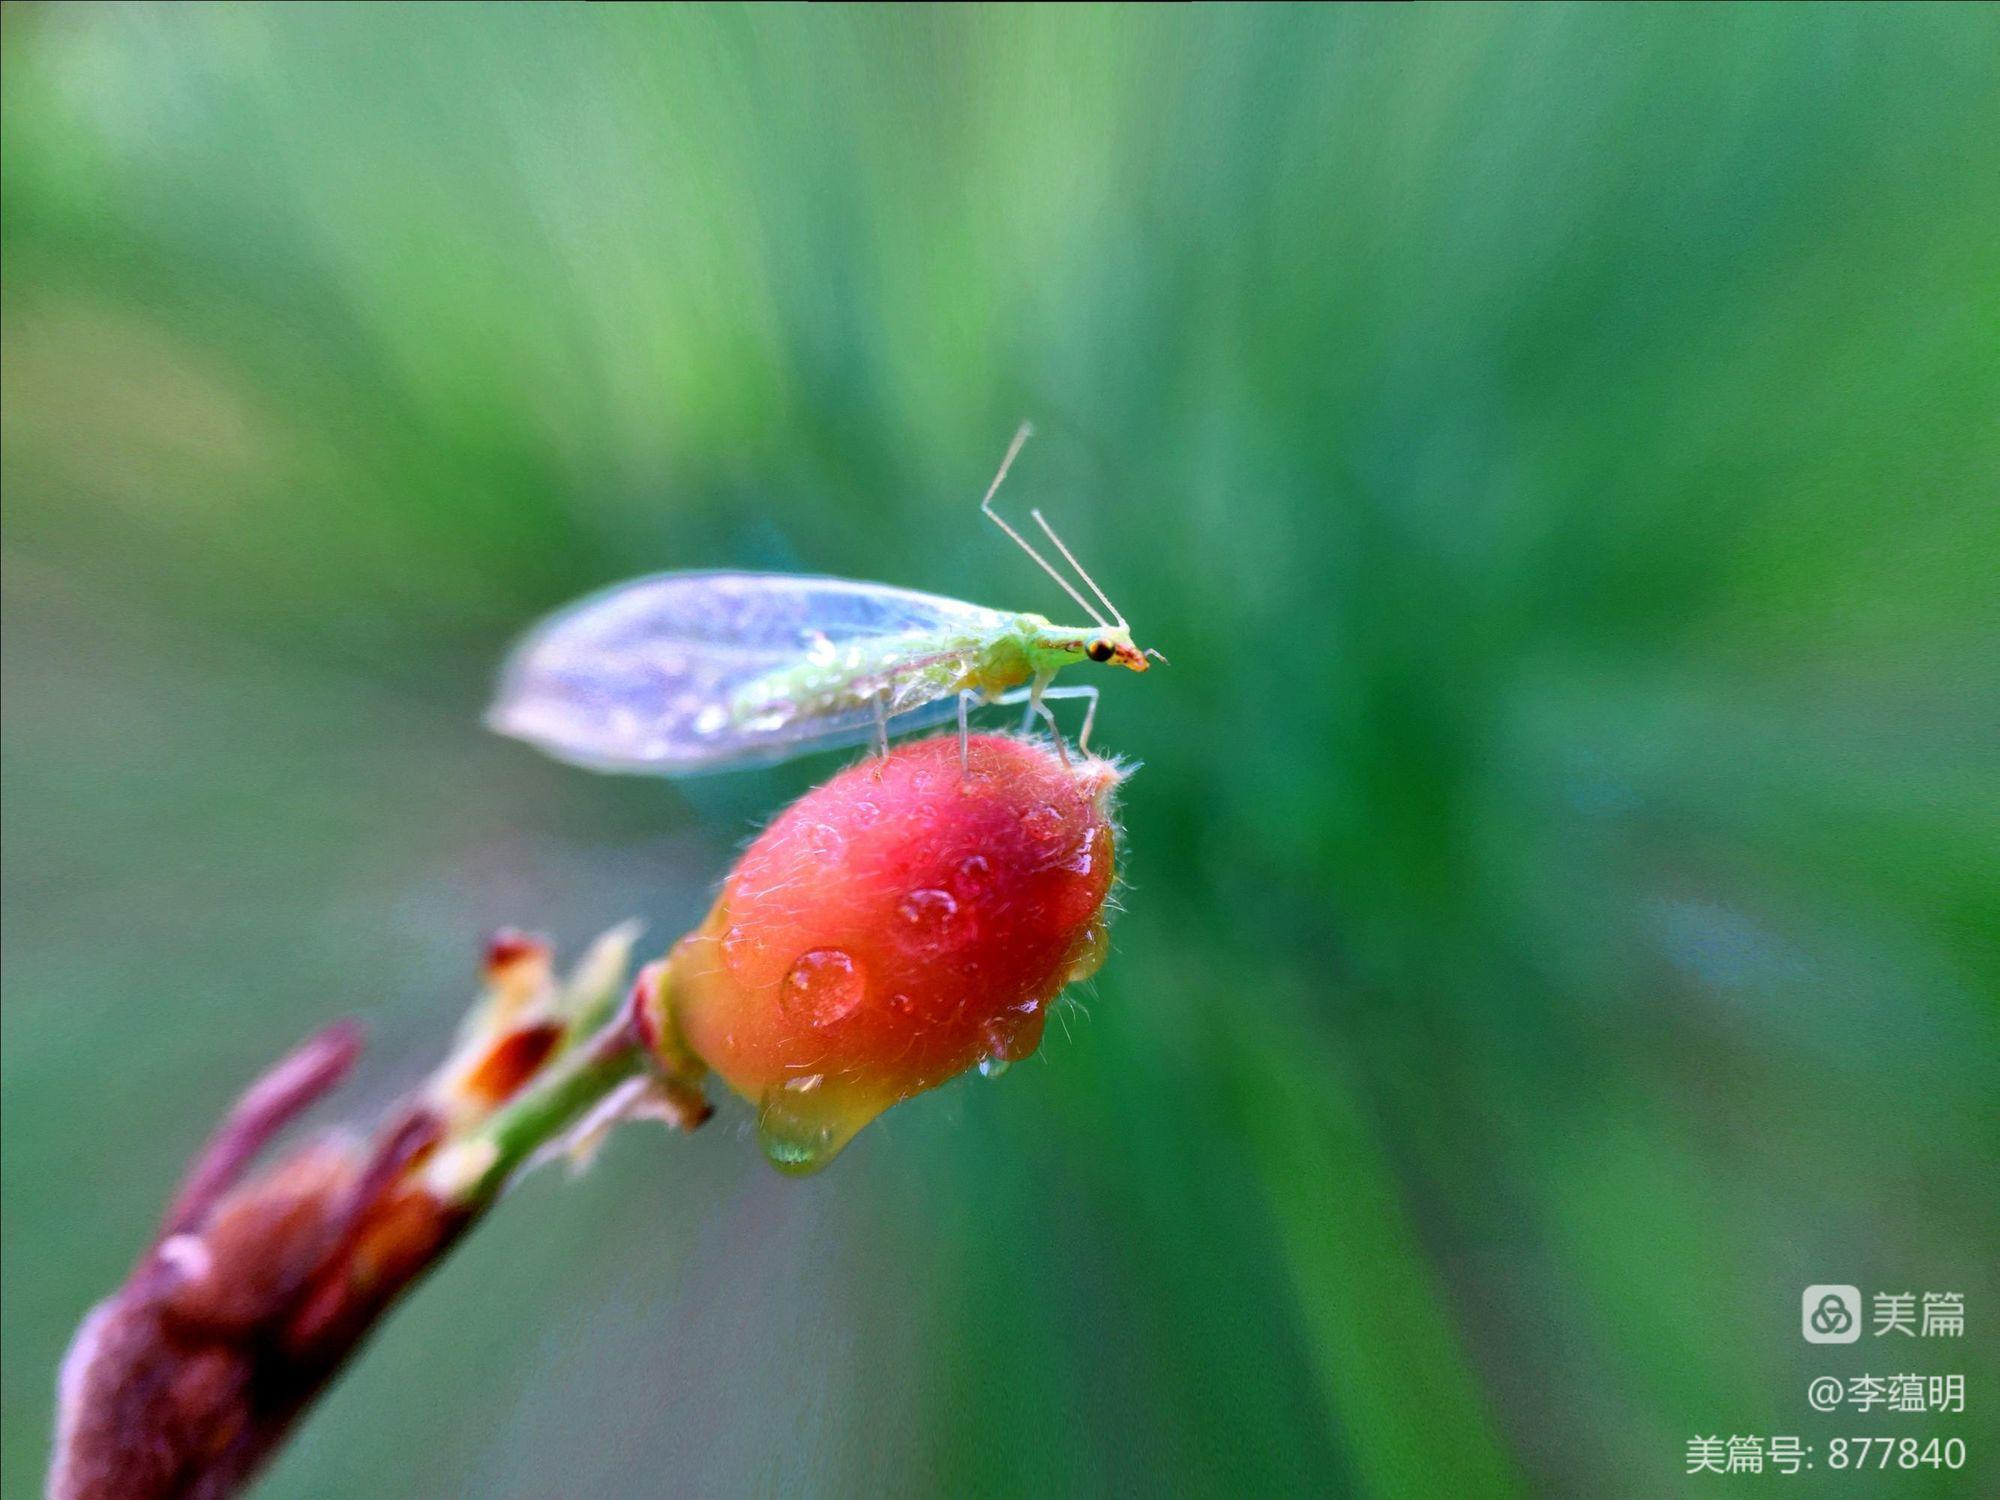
x: 973, y: 872
x: 865, y: 814
x: 796, y: 1132
x: 824, y: 840
x: 1087, y: 957
x: 902, y: 1005
x: 932, y: 916
x: 740, y: 946
x: 1043, y: 824
x: 823, y: 986
x: 993, y: 1067
x: 1010, y: 1037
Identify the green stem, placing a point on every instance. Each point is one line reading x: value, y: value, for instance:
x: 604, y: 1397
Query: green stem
x: 474, y: 1169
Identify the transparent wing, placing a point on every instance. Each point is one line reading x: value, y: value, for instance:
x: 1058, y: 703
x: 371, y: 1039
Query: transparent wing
x: 637, y: 677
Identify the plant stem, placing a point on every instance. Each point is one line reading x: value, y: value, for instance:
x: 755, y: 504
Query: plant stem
x: 472, y: 1171
x: 258, y: 1290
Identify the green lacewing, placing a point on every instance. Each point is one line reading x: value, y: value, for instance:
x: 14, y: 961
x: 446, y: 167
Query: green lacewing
x: 680, y: 673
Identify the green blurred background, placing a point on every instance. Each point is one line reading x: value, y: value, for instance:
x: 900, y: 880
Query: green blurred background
x: 1558, y: 449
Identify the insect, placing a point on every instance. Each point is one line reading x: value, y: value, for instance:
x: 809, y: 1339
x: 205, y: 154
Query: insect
x: 681, y: 673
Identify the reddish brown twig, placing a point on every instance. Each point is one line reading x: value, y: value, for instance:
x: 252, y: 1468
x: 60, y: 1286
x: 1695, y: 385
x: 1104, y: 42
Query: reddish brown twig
x: 256, y: 1293
x: 181, y: 1381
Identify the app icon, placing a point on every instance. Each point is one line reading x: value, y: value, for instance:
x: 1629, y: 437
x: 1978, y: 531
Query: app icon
x: 1830, y: 1314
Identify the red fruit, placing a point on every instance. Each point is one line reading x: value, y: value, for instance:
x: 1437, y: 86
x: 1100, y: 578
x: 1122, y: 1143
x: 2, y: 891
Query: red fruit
x: 906, y: 920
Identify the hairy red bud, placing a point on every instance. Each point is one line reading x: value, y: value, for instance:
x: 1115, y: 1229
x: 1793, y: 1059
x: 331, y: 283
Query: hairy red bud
x: 903, y: 922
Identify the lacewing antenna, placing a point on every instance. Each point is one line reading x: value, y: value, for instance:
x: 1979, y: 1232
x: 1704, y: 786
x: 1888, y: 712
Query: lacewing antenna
x: 1081, y: 572
x: 1021, y: 435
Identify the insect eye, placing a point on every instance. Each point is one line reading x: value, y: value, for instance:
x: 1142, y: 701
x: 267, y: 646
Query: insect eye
x: 1100, y: 651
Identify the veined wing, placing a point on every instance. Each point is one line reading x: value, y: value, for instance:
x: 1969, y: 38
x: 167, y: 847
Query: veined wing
x: 640, y: 677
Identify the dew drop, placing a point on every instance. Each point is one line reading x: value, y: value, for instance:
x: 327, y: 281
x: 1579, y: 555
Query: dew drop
x: 973, y: 874
x: 865, y: 814
x: 1043, y: 824
x: 797, y: 1134
x: 825, y: 841
x: 1087, y: 957
x: 993, y: 1067
x: 823, y: 986
x: 740, y: 946
x: 1009, y: 1038
x: 902, y: 1005
x: 933, y: 917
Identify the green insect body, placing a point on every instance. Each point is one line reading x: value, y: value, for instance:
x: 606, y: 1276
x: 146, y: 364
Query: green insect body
x: 681, y: 673
x: 893, y: 675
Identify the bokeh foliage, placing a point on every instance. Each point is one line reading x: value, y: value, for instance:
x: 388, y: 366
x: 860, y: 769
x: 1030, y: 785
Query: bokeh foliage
x: 1556, y: 447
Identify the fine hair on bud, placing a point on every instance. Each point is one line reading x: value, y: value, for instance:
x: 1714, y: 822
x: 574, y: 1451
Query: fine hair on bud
x: 913, y: 917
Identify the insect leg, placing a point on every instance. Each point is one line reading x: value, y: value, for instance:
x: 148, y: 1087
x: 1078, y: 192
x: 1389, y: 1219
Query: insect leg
x: 1034, y: 692
x: 965, y: 698
x: 1055, y: 730
x: 1040, y: 706
x: 1089, y: 714
x: 1037, y: 691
